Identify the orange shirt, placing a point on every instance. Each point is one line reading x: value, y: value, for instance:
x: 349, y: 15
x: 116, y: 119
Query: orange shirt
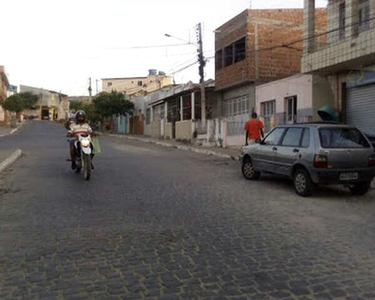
x: 253, y: 126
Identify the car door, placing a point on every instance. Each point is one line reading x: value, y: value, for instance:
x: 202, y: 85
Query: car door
x: 288, y: 150
x: 264, y: 158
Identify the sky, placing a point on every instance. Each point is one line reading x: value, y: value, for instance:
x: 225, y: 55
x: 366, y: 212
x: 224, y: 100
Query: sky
x: 60, y: 44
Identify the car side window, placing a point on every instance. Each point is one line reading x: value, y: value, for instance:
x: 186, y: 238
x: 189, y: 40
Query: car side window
x: 274, y: 137
x: 292, y: 137
x: 306, y: 138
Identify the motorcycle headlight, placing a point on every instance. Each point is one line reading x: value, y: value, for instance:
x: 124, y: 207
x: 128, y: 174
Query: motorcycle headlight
x: 85, y: 143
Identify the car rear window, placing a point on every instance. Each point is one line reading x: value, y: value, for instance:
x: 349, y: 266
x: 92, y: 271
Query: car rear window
x: 342, y: 138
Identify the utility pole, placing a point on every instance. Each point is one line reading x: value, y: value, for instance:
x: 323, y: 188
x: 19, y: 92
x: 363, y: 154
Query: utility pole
x: 90, y: 89
x: 202, y: 64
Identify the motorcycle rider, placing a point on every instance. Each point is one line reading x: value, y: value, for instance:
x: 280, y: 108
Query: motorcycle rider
x: 80, y: 126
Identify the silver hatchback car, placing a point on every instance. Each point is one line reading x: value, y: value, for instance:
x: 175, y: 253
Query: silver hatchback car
x: 313, y: 154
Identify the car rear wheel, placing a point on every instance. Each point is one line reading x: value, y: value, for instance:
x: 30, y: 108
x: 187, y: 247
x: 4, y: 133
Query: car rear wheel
x: 302, y: 183
x: 360, y: 189
x: 248, y: 170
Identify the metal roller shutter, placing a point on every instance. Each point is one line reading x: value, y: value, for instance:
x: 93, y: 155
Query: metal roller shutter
x: 360, y: 108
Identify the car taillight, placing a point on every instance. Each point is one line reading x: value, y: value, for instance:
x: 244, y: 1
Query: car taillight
x: 321, y: 161
x: 371, y: 161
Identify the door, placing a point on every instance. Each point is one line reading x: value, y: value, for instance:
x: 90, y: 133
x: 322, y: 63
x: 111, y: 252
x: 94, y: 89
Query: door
x: 289, y: 150
x: 360, y: 108
x: 264, y: 157
x: 291, y: 110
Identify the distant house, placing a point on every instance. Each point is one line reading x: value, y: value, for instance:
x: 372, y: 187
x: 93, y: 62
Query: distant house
x: 51, y: 105
x: 136, y: 86
x: 4, y: 85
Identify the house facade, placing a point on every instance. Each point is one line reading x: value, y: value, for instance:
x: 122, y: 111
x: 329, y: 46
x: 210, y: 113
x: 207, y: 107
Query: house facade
x: 346, y: 57
x: 294, y: 99
x: 4, y: 85
x: 136, y: 86
x: 253, y: 48
x: 51, y: 105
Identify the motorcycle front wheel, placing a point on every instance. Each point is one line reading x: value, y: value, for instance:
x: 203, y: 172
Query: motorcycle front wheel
x: 87, y: 167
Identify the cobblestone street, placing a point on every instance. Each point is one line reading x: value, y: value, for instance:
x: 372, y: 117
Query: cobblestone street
x: 160, y: 223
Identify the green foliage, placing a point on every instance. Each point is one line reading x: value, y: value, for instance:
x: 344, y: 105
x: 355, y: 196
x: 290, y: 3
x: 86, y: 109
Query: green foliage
x: 76, y: 105
x: 14, y: 103
x: 29, y: 99
x: 114, y: 103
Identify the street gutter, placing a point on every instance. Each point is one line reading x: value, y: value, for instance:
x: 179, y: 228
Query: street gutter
x: 180, y: 147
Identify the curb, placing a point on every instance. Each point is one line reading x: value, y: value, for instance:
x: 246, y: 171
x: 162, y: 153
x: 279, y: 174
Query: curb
x: 11, y: 159
x: 180, y: 147
x: 14, y: 130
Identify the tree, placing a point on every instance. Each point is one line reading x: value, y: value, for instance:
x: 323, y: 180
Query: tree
x: 29, y: 99
x: 14, y: 103
x: 76, y: 105
x: 114, y: 103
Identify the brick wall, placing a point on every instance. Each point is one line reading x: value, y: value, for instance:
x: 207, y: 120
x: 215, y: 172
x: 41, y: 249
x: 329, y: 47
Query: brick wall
x: 264, y: 29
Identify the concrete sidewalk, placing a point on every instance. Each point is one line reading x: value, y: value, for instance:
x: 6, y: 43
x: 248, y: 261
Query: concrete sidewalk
x: 8, y: 157
x: 7, y: 130
x: 215, y: 151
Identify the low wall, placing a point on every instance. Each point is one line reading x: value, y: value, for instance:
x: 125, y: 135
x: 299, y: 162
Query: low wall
x: 168, y: 131
x: 155, y: 129
x: 183, y: 130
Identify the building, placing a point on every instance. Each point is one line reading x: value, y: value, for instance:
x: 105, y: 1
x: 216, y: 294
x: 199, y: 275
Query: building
x: 51, y: 105
x: 253, y: 48
x: 4, y: 85
x: 294, y: 99
x: 346, y: 57
x: 135, y: 86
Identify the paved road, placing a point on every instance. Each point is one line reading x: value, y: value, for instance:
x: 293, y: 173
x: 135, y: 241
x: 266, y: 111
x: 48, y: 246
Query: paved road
x: 161, y: 223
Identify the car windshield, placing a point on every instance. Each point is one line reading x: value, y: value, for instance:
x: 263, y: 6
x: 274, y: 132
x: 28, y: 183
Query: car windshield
x: 342, y: 138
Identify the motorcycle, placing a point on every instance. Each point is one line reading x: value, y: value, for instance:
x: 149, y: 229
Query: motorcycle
x: 83, y: 147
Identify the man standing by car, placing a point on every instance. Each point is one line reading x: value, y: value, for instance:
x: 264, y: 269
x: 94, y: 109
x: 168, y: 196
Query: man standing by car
x: 254, y: 129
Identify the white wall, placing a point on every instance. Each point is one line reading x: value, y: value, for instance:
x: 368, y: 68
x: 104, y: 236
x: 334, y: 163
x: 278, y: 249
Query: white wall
x: 299, y: 85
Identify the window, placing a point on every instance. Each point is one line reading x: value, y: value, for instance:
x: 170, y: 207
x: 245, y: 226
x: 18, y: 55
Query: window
x: 237, y: 106
x: 292, y: 137
x: 342, y: 138
x: 219, y: 59
x: 228, y: 55
x: 148, y: 116
x: 306, y: 138
x: 109, y: 84
x: 240, y: 50
x: 363, y: 15
x: 233, y: 53
x: 342, y: 21
x: 139, y: 83
x: 274, y: 137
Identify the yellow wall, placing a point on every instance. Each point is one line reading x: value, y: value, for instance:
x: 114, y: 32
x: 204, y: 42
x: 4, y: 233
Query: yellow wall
x: 183, y: 130
x: 168, y: 131
x: 155, y: 129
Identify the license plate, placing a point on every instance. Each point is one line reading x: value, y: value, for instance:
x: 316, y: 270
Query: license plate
x: 349, y: 176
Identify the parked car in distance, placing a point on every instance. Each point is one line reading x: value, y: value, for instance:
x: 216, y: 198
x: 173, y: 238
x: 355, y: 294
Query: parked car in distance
x: 313, y: 154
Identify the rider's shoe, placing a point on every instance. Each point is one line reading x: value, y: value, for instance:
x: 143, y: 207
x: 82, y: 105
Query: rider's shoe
x: 74, y: 165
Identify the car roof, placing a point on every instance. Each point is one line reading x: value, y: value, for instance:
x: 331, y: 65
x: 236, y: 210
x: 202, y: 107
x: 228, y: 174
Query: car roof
x: 318, y: 125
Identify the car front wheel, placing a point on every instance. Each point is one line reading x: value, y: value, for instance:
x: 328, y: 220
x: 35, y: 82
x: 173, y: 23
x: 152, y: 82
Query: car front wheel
x: 248, y: 170
x: 302, y: 183
x: 360, y: 189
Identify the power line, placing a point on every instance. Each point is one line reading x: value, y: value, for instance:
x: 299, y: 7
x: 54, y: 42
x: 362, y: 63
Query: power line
x: 184, y: 68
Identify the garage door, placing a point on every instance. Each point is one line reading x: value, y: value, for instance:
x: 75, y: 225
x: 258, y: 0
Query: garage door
x: 360, y: 108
